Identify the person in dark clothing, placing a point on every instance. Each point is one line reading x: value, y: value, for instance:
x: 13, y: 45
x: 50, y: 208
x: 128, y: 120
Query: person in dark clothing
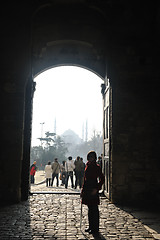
x: 55, y: 171
x: 82, y: 173
x: 63, y: 173
x: 78, y: 172
x: 100, y: 161
x: 93, y: 180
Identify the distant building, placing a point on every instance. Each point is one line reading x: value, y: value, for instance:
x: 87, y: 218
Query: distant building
x: 71, y: 139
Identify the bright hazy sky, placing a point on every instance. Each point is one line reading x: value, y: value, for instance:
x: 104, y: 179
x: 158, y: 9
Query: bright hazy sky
x: 72, y: 96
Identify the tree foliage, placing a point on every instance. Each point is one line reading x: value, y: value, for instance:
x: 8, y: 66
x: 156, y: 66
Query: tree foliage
x: 48, y: 153
x: 58, y: 148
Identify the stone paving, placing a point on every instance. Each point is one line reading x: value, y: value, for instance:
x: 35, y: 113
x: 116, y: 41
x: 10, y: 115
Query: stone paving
x: 57, y: 216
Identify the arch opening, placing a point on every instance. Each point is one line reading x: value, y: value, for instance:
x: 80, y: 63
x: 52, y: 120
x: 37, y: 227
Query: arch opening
x: 57, y: 43
x: 69, y: 109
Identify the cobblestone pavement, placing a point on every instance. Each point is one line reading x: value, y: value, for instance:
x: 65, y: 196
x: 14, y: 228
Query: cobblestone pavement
x: 57, y: 216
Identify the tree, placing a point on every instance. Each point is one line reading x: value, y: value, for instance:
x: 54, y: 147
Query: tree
x: 36, y: 155
x: 55, y: 148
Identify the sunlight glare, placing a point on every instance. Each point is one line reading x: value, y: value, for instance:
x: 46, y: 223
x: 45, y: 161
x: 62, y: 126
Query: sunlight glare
x: 72, y: 96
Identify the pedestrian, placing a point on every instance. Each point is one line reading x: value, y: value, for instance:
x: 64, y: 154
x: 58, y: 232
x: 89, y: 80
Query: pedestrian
x: 99, y: 161
x: 48, y: 174
x: 93, y: 180
x: 84, y: 165
x: 55, y: 171
x: 69, y: 168
x: 63, y: 173
x: 33, y: 170
x: 78, y: 172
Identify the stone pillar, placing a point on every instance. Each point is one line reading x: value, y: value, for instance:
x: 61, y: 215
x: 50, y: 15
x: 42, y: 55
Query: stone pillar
x: 12, y: 140
x: 25, y: 181
x: 15, y: 70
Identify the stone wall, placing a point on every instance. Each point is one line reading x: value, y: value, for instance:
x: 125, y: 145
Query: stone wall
x: 135, y: 164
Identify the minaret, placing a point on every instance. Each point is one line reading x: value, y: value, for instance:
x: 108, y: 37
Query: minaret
x: 83, y: 132
x: 86, y: 131
x: 55, y: 126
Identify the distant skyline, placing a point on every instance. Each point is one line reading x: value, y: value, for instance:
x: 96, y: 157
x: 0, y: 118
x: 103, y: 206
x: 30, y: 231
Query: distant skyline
x: 66, y: 98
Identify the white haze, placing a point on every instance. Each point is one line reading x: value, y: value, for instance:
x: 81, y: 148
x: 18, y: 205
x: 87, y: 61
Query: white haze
x: 72, y: 96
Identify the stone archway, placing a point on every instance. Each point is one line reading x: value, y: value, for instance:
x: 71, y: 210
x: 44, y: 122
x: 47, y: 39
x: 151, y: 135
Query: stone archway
x: 56, y: 40
x: 84, y: 37
x: 51, y: 47
x: 118, y: 40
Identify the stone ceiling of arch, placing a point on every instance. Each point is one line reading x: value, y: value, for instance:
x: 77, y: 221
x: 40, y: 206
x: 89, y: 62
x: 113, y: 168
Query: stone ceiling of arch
x: 83, y: 35
x: 68, y: 38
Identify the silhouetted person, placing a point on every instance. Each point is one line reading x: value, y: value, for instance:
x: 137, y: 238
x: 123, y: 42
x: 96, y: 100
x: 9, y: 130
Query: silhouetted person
x: 99, y: 161
x: 93, y: 180
x: 55, y: 171
x: 63, y: 172
x: 84, y: 165
x: 78, y: 172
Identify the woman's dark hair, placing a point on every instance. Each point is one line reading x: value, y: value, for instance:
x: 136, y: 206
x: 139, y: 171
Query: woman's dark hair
x: 92, y: 154
x: 49, y: 163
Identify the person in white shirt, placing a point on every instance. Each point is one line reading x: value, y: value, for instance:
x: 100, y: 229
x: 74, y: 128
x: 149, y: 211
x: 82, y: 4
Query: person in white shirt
x: 48, y: 174
x: 69, y: 168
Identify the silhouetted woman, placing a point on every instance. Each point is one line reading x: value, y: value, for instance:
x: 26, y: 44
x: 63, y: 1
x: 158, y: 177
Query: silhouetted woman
x: 93, y: 180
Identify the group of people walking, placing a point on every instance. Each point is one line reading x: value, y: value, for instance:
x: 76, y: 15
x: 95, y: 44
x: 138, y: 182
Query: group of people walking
x: 65, y: 171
